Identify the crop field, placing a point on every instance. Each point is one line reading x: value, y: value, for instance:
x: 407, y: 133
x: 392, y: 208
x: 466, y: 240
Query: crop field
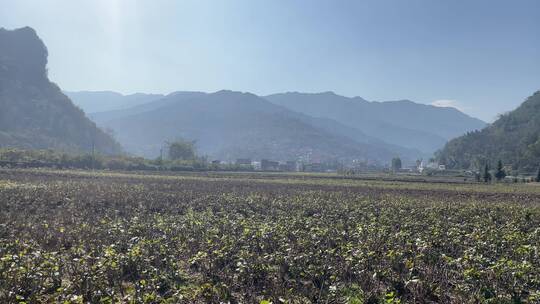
x: 84, y: 237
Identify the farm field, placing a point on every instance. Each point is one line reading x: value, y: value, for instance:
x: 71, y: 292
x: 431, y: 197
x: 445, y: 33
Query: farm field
x: 109, y: 237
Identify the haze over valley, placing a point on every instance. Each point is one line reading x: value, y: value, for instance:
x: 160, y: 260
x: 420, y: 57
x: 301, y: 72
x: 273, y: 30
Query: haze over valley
x: 326, y: 125
x: 226, y: 126
x: 251, y: 151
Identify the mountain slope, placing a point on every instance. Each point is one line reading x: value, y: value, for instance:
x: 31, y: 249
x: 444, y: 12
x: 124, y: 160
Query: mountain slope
x: 352, y: 134
x: 101, y: 117
x: 514, y: 138
x: 229, y: 125
x: 101, y: 101
x: 35, y: 113
x: 402, y: 123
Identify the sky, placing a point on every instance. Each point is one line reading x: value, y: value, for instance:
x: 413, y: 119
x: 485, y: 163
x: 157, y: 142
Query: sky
x: 480, y: 56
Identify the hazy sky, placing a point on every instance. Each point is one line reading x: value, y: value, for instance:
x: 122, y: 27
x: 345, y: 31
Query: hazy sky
x: 480, y: 56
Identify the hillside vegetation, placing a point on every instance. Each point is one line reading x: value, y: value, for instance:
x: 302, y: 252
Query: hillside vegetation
x: 514, y: 139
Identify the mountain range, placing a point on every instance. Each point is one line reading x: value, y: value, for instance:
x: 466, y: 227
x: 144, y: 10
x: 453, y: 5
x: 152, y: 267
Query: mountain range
x: 226, y: 125
x: 514, y: 139
x: 403, y: 123
x: 327, y: 126
x: 35, y: 114
x: 229, y: 125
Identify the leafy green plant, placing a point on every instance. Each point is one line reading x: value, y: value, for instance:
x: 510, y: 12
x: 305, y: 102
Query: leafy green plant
x: 109, y: 237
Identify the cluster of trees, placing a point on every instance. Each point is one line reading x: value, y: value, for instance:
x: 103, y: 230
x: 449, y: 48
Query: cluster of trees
x: 396, y: 164
x: 499, y: 174
x: 182, y: 150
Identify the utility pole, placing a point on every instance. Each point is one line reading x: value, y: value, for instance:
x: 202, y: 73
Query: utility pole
x: 93, y: 154
x: 93, y: 149
x: 161, y: 158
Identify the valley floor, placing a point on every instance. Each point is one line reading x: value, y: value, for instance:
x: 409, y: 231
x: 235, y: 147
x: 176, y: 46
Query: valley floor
x: 82, y: 236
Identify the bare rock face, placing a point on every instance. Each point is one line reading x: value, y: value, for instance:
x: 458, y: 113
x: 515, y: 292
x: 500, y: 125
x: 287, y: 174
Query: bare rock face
x: 35, y: 114
x: 23, y: 55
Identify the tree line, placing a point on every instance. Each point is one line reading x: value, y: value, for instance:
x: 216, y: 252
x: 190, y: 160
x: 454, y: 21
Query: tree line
x: 181, y: 156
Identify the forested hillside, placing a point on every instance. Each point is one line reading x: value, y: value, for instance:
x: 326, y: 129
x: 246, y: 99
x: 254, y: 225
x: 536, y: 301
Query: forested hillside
x: 34, y: 111
x: 514, y: 139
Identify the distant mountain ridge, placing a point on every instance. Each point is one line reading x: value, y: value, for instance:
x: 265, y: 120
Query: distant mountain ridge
x: 514, y: 139
x: 229, y: 125
x: 101, y: 101
x: 399, y: 128
x: 34, y: 112
x: 153, y: 104
x: 402, y: 123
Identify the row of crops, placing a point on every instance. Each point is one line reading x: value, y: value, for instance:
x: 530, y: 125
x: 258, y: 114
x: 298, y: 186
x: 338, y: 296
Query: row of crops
x: 78, y: 238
